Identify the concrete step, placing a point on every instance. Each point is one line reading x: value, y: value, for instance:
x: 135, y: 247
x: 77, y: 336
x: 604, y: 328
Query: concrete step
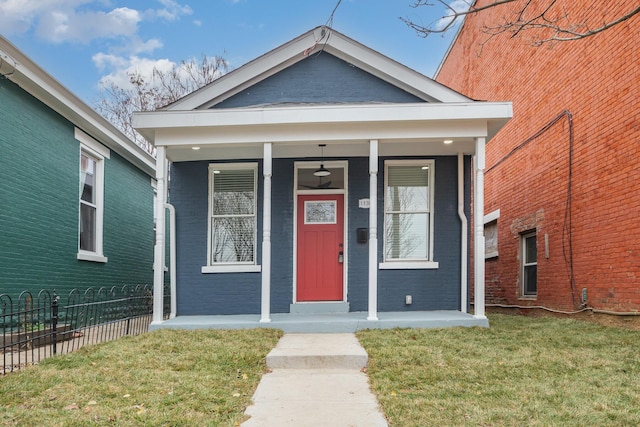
x: 319, y: 307
x: 317, y: 351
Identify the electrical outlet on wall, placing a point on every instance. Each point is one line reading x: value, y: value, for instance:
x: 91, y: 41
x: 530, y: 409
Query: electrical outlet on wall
x: 408, y: 300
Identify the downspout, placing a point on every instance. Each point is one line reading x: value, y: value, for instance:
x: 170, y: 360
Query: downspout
x: 172, y: 258
x: 158, y: 249
x: 463, y: 237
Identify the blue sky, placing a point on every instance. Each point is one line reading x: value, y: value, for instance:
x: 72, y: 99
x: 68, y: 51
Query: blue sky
x: 82, y: 42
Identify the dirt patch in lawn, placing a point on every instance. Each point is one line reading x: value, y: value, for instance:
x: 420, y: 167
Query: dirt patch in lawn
x: 618, y: 321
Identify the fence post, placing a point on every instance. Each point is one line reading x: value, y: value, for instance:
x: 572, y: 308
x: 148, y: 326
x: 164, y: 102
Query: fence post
x: 129, y: 311
x: 54, y: 323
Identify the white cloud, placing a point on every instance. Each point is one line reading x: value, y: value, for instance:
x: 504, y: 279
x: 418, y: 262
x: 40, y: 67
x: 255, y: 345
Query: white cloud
x: 172, y: 10
x: 19, y: 16
x: 137, y: 46
x: 86, y: 21
x: 82, y: 27
x: 124, y: 67
x: 81, y: 21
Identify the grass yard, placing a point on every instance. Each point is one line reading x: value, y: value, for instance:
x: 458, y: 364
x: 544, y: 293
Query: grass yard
x: 519, y: 372
x: 164, y: 378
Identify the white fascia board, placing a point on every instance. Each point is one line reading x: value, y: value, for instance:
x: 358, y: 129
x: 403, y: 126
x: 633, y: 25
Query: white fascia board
x: 390, y: 70
x: 34, y: 80
x: 336, y: 44
x: 325, y: 114
x: 248, y: 74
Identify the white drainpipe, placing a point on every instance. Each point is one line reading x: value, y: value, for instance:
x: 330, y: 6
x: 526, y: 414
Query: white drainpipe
x: 463, y: 236
x: 172, y: 258
x: 158, y: 250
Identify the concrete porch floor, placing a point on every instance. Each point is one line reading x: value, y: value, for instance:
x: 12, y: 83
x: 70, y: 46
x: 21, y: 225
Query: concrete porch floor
x: 327, y: 322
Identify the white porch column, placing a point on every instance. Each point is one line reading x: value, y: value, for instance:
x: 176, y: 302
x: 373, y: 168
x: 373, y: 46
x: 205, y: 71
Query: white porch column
x: 478, y: 220
x: 267, y: 168
x: 373, y: 230
x: 464, y: 237
x: 158, y: 250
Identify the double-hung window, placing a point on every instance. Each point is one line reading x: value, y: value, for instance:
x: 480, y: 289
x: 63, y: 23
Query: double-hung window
x: 232, y: 217
x: 91, y: 198
x: 408, y: 214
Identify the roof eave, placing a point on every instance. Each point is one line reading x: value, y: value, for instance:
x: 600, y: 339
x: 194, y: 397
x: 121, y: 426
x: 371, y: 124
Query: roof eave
x: 297, y: 49
x: 493, y: 114
x: 29, y: 76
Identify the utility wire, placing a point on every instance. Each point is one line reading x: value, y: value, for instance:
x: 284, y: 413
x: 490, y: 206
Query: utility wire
x: 330, y: 20
x: 325, y: 33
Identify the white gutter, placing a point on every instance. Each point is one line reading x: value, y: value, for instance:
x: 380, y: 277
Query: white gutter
x: 463, y: 236
x: 172, y: 258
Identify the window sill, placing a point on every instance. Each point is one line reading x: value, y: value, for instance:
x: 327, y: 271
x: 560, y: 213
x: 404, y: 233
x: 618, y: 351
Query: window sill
x: 84, y: 256
x: 409, y: 265
x: 231, y: 269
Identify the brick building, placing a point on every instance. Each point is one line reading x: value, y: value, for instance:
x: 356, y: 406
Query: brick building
x: 562, y: 190
x: 76, y: 195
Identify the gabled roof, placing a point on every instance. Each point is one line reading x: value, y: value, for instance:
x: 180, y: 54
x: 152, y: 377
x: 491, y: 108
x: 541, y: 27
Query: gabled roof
x: 332, y: 42
x: 21, y: 70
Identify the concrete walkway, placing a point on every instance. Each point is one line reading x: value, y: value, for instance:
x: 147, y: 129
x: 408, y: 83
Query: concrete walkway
x: 315, y: 380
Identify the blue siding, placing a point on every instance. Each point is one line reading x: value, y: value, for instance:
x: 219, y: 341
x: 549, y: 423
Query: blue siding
x: 240, y: 293
x: 321, y: 78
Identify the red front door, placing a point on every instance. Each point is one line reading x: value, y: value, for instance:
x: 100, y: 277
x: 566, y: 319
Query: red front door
x: 320, y: 248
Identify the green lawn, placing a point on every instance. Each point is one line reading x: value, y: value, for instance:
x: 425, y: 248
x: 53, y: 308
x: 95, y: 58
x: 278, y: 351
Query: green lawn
x: 163, y: 378
x: 519, y: 372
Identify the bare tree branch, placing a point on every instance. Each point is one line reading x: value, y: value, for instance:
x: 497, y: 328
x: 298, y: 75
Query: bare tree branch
x: 148, y: 93
x: 551, y: 28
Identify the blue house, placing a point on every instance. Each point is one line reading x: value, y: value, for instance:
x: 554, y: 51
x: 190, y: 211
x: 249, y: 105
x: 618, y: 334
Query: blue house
x: 326, y: 179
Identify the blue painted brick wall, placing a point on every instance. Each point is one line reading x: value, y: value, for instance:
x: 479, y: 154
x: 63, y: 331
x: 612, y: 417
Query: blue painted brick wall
x: 198, y: 293
x: 319, y: 78
x: 437, y: 289
x: 226, y: 293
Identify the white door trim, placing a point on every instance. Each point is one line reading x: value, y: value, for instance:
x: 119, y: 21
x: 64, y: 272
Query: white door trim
x: 344, y: 164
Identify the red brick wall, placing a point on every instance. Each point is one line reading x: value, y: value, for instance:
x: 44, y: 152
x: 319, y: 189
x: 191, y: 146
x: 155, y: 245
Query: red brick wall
x: 597, y: 80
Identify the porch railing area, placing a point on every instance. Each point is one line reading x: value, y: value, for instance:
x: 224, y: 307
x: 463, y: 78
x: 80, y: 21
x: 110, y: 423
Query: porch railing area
x: 35, y: 327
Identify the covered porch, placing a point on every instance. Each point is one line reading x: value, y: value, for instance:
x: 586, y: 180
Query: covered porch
x: 328, y: 322
x: 406, y: 130
x: 395, y: 261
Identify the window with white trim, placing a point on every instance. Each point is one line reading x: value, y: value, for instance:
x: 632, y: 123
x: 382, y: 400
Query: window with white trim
x: 408, y: 210
x: 90, y: 197
x: 91, y: 206
x: 529, y: 264
x: 232, y: 214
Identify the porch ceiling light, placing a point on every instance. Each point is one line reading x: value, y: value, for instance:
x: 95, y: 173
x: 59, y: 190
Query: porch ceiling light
x: 448, y: 141
x: 322, y: 171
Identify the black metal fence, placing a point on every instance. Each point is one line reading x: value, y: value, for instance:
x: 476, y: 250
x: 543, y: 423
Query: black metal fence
x: 38, y: 326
